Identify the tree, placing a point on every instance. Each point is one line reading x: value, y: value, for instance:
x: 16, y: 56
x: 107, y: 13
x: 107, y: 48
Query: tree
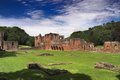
x: 16, y: 34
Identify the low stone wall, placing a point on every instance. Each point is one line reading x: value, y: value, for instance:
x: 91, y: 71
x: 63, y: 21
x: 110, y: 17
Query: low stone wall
x: 108, y: 66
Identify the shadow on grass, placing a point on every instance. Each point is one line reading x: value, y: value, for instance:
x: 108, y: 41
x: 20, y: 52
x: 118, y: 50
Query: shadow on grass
x: 118, y: 76
x: 7, y: 54
x: 39, y: 75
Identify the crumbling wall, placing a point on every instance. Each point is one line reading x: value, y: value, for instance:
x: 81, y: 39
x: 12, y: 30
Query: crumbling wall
x: 48, y: 41
x: 38, y: 40
x: 53, y: 41
x: 10, y: 45
x: 75, y: 44
x: 89, y: 46
x: 111, y: 46
x: 57, y: 47
x: 80, y: 44
x: 7, y: 45
x: 1, y: 40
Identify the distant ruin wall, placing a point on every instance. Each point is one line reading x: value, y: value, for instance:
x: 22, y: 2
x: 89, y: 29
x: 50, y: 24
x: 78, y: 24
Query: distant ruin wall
x: 7, y: 45
x: 111, y: 46
x: 53, y: 41
x: 10, y: 45
x: 1, y: 40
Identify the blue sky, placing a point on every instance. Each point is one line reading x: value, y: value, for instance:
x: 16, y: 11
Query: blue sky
x: 60, y: 16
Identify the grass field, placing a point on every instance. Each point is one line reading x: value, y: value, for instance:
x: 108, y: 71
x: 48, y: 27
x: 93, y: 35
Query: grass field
x: 13, y: 65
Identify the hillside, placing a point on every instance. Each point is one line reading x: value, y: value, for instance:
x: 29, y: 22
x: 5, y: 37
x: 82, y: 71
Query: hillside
x: 17, y: 34
x: 98, y: 34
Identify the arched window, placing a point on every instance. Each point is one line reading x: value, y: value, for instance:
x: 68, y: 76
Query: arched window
x: 59, y: 48
x: 51, y: 47
x: 62, y: 49
x: 56, y: 47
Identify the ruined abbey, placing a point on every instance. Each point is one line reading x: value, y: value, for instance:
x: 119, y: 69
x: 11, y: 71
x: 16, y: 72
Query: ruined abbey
x: 53, y: 41
x: 111, y: 46
x: 7, y: 45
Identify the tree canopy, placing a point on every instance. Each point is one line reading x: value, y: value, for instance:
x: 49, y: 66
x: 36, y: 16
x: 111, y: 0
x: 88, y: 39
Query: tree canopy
x: 99, y: 34
x: 17, y: 34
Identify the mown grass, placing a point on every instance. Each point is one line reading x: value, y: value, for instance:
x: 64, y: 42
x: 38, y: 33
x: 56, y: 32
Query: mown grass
x: 13, y: 66
x: 24, y: 46
x: 99, y: 46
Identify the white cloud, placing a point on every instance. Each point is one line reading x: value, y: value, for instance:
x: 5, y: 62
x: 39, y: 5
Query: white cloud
x: 36, y: 14
x: 79, y: 16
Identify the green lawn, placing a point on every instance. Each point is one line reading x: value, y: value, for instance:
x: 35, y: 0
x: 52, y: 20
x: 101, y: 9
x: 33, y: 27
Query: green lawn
x: 13, y: 65
x: 99, y: 46
x: 24, y: 46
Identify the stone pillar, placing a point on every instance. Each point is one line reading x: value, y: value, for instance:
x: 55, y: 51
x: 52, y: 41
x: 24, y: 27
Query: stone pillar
x: 1, y: 40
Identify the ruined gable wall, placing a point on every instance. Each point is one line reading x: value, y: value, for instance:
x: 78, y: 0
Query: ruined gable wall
x: 10, y: 45
x: 54, y: 41
x: 38, y: 40
x: 74, y: 44
x: 77, y: 44
x: 7, y: 45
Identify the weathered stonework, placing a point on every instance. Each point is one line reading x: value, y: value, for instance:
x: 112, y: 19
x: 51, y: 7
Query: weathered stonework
x: 1, y: 40
x: 53, y: 41
x: 112, y: 46
x: 10, y: 45
x: 7, y: 45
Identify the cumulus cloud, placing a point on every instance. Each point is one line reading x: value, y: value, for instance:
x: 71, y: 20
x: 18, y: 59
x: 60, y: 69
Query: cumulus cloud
x: 80, y: 15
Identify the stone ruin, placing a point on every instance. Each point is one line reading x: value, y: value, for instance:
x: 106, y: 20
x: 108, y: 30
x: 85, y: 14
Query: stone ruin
x: 111, y: 46
x: 53, y: 41
x: 7, y: 45
x: 107, y: 66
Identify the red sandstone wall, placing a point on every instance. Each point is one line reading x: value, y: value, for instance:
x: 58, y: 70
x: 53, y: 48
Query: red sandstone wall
x: 55, y: 42
x: 112, y: 46
x: 38, y: 40
x: 75, y: 44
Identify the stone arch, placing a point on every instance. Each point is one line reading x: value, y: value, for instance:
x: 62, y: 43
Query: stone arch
x: 60, y: 48
x: 12, y: 43
x: 116, y: 47
x: 54, y: 48
x: 51, y: 47
x: 57, y: 48
x: 108, y: 46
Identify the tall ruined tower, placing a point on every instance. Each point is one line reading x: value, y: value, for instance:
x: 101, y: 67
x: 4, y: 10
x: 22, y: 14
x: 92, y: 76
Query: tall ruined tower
x: 1, y: 40
x: 38, y: 40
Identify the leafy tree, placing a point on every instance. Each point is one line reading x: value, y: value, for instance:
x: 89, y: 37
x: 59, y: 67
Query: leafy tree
x: 101, y: 33
x: 16, y: 34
